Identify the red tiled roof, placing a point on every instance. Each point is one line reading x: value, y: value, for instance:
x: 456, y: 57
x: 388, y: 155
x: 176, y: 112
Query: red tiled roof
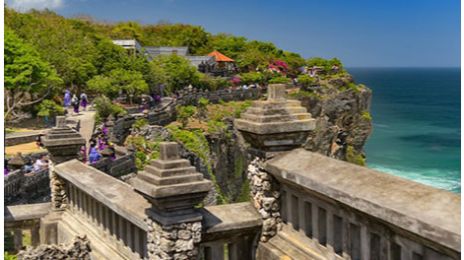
x: 220, y: 57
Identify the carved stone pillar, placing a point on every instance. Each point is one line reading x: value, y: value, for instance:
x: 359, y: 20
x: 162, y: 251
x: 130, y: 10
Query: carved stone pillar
x: 272, y: 126
x: 63, y: 144
x: 174, y: 188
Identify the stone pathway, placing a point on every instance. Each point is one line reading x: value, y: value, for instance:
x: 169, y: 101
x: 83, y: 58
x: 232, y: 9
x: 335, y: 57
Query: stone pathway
x: 87, y: 119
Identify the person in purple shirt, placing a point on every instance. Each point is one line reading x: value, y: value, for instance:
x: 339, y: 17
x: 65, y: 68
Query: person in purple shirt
x: 67, y: 98
x: 5, y: 168
x: 94, y: 155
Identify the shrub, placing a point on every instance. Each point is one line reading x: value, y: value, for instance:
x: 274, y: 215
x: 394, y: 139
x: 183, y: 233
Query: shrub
x: 184, y: 113
x: 279, y: 80
x: 202, y: 108
x: 353, y: 156
x: 105, y: 107
x: 366, y: 115
x: 305, y: 80
x: 139, y: 123
x: 251, y: 77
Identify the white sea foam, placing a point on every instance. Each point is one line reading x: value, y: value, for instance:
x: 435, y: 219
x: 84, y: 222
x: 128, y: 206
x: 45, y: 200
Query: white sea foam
x: 433, y: 177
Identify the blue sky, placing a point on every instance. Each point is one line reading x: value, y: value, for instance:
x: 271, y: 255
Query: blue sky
x: 362, y: 33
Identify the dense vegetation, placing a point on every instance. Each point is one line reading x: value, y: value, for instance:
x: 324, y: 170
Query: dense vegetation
x: 46, y: 53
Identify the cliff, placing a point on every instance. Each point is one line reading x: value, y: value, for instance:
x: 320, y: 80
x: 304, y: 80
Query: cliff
x: 343, y: 121
x: 215, y: 148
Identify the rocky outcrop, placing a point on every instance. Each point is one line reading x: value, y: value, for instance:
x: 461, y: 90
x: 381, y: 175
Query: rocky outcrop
x: 343, y: 122
x: 79, y: 248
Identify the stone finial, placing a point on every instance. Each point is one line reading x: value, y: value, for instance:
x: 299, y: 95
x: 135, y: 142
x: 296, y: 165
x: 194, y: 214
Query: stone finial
x: 172, y: 185
x: 276, y: 124
x: 169, y: 151
x: 62, y: 142
x: 60, y: 121
x: 276, y: 92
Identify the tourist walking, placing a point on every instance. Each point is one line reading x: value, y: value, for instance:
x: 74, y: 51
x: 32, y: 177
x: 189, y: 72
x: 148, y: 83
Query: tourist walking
x: 84, y: 101
x: 67, y: 98
x: 75, y: 103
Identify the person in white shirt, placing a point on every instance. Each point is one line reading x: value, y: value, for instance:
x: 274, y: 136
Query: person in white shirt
x: 40, y: 164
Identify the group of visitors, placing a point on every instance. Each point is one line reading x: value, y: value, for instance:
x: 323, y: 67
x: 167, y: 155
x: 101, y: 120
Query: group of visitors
x: 98, y: 145
x: 75, y: 101
x: 29, y: 168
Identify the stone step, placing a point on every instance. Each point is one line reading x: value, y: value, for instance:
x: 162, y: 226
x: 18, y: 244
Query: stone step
x: 151, y: 190
x: 169, y: 172
x: 275, y: 111
x: 180, y: 163
x: 267, y: 104
x: 154, y: 179
x: 275, y: 118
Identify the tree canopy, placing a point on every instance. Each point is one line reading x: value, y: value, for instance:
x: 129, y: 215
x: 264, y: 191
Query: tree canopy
x: 28, y: 78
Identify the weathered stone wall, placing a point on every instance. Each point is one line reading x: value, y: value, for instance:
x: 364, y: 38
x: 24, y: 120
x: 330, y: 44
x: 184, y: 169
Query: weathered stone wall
x: 22, y: 189
x: 120, y: 166
x: 265, y: 192
x: 177, y: 241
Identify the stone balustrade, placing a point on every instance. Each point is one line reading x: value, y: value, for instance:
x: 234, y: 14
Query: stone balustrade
x: 335, y: 210
x: 107, y: 210
x: 114, y: 218
x: 18, y: 219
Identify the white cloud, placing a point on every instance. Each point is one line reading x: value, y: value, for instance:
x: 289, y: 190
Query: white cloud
x: 25, y: 5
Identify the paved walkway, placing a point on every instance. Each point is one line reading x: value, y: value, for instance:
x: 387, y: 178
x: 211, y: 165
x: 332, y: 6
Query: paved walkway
x: 87, y: 119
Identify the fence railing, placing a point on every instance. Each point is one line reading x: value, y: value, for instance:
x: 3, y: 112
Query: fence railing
x: 108, y: 205
x: 340, y: 210
x: 117, y: 215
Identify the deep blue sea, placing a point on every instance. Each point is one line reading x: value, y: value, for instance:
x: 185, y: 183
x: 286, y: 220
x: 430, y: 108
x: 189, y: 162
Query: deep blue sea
x: 416, y: 119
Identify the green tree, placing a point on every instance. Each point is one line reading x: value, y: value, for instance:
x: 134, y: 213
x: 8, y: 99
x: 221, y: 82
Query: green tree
x: 252, y: 77
x: 173, y: 70
x: 129, y: 82
x: 28, y: 79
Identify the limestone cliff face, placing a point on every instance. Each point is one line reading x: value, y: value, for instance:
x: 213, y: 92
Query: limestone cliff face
x: 343, y: 121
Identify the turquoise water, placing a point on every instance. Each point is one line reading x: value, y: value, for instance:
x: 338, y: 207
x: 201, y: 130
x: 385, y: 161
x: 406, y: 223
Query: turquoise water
x: 416, y: 118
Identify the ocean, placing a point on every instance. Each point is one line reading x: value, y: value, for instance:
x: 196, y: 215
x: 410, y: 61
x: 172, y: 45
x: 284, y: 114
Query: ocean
x: 416, y: 123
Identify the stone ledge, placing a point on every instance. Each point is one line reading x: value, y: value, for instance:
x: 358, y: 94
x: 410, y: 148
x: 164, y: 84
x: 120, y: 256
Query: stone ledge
x: 428, y: 212
x: 229, y: 220
x: 26, y: 212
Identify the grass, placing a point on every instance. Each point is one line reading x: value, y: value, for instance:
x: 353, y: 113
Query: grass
x: 26, y: 148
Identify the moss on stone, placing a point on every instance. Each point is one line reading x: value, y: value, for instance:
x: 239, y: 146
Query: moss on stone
x: 244, y: 193
x: 366, y: 115
x: 354, y: 157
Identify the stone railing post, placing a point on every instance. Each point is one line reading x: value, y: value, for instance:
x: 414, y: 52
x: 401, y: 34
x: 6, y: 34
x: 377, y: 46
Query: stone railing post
x: 272, y: 126
x: 174, y: 188
x: 63, y: 144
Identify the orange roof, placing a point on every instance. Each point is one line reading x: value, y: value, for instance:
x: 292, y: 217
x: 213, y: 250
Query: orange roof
x: 220, y: 57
